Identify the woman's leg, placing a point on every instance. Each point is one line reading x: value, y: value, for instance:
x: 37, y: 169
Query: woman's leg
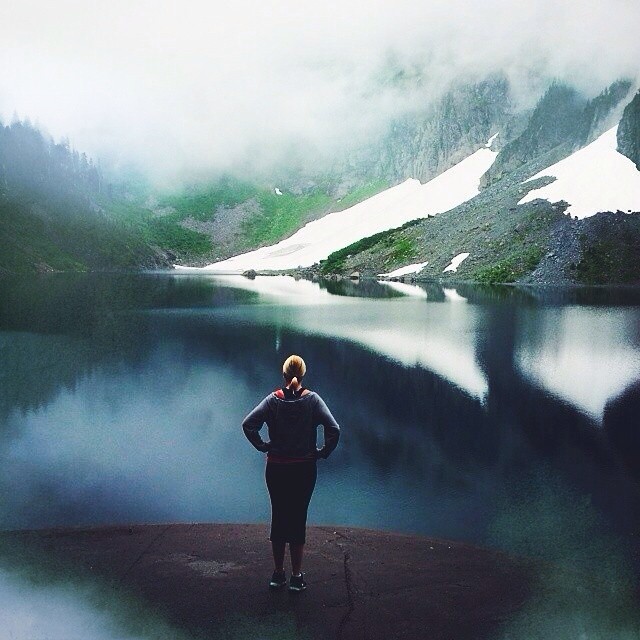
x: 305, y: 484
x: 277, y: 488
x: 296, y: 551
x: 290, y: 489
x: 278, y: 549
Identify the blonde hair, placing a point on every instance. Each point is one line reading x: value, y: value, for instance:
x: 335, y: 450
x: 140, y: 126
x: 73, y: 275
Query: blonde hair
x: 293, y: 370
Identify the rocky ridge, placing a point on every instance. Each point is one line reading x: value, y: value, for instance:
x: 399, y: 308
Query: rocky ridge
x: 529, y: 243
x: 629, y: 131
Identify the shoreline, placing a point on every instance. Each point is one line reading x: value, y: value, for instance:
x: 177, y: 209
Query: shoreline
x: 332, y: 277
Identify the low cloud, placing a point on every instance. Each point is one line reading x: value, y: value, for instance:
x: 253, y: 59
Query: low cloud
x: 197, y: 87
x: 55, y: 612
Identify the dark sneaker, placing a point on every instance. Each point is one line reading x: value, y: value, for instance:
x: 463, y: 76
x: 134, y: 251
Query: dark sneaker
x: 297, y: 583
x: 278, y: 579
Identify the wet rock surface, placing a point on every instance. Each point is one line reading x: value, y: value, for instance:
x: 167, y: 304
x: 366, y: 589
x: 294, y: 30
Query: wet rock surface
x: 361, y: 583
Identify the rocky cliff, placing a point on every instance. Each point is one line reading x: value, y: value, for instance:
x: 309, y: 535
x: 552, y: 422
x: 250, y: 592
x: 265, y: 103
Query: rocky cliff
x: 562, y: 121
x: 427, y: 142
x: 534, y: 242
x: 629, y: 131
x: 603, y: 112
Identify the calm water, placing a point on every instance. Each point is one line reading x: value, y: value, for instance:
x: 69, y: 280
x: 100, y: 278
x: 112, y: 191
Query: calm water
x: 496, y: 416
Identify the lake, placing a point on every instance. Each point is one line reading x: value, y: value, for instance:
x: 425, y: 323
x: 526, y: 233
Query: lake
x: 501, y: 416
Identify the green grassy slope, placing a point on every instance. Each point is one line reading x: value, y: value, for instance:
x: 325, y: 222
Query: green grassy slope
x: 229, y: 216
x: 29, y: 242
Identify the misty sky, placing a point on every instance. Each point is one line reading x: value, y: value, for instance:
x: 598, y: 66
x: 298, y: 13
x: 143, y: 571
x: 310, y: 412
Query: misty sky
x: 179, y: 87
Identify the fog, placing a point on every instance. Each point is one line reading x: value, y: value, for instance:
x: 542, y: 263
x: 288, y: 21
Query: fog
x: 51, y: 612
x: 67, y: 606
x: 193, y: 87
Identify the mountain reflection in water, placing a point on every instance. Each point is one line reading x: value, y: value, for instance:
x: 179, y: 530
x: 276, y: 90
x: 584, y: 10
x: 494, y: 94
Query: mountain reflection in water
x: 498, y: 416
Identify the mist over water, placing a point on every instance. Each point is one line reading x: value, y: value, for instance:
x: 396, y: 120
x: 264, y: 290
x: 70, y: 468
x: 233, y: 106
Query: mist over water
x: 41, y: 612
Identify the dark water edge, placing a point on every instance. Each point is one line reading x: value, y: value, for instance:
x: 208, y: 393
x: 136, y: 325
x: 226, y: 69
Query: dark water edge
x: 122, y: 395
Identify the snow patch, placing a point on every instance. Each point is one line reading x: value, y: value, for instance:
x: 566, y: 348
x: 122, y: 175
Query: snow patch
x: 595, y: 178
x: 490, y: 140
x: 403, y: 271
x: 456, y: 262
x: 386, y: 210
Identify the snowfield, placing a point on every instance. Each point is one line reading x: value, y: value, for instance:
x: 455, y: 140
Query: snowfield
x: 386, y: 210
x: 595, y: 178
x: 404, y: 271
x: 456, y: 262
x: 491, y: 139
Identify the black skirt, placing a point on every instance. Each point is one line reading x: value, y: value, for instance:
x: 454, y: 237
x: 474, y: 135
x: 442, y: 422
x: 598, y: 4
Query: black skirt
x: 290, y: 487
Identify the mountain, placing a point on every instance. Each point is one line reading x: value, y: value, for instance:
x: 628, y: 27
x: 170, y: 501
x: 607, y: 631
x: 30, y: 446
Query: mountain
x: 240, y: 215
x: 468, y: 186
x: 235, y: 215
x: 425, y: 143
x: 554, y: 121
x: 513, y: 217
x: 561, y: 122
x: 403, y: 203
x: 54, y: 210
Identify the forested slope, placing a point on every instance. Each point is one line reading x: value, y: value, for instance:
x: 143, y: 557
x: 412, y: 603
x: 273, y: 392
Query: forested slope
x: 57, y: 213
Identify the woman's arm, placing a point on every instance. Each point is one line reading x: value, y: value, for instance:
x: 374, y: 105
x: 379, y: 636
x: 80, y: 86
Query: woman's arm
x: 252, y: 424
x: 331, y: 429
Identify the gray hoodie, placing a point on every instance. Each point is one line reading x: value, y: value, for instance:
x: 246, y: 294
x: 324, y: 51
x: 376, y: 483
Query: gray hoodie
x: 292, y: 425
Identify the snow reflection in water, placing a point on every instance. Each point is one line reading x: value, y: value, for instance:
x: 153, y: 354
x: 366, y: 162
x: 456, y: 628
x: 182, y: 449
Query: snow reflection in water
x: 404, y: 329
x: 582, y: 355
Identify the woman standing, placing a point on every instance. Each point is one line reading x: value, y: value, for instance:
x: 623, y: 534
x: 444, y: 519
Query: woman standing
x: 292, y: 415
